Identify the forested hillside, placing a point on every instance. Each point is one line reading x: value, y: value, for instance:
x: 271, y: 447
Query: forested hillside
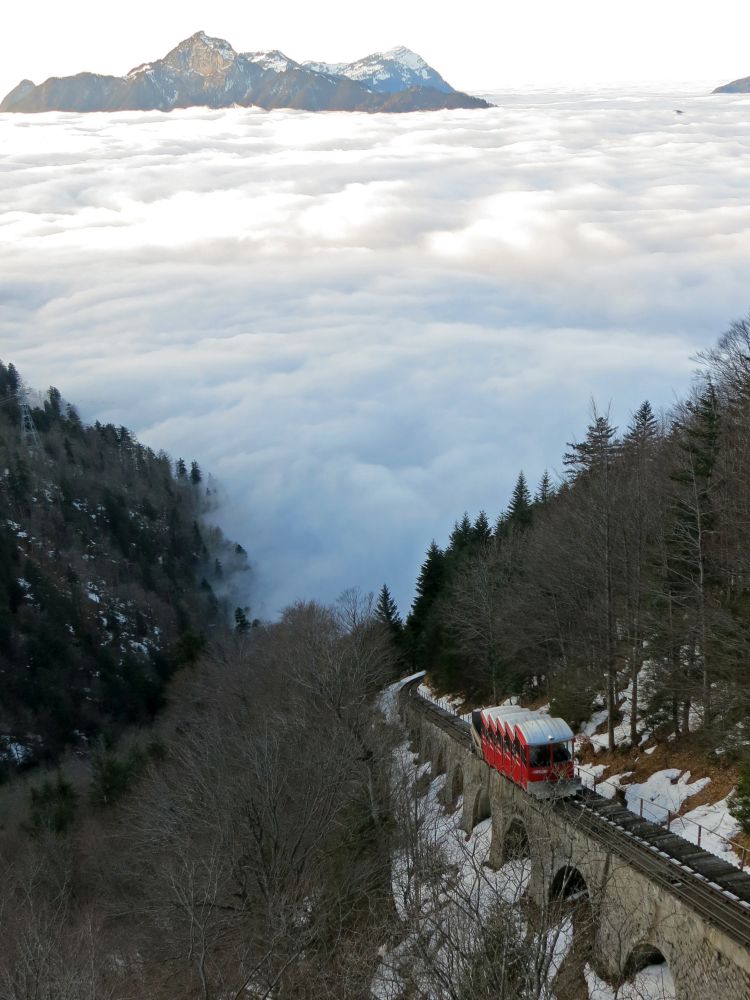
x: 107, y: 576
x: 250, y: 857
x: 632, y: 571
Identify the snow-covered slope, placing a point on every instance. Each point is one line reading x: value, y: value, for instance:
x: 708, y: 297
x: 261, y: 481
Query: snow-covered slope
x: 387, y: 72
x: 271, y: 59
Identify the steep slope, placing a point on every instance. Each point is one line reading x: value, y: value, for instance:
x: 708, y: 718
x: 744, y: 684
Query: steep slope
x: 206, y: 71
x: 106, y: 577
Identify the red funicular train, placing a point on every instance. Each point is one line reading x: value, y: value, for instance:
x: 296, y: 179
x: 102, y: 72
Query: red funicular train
x: 532, y: 749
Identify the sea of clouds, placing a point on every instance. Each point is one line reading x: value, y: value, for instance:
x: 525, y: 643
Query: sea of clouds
x: 364, y: 325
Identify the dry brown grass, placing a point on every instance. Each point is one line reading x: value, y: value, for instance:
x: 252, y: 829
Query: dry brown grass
x: 684, y: 754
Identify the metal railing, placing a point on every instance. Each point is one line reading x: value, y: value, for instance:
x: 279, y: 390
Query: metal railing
x: 634, y: 804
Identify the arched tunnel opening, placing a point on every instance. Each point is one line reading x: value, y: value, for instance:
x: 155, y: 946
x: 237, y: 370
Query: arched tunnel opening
x: 648, y: 962
x: 647, y: 973
x: 439, y: 761
x: 481, y: 809
x: 569, y: 885
x: 454, y: 787
x: 516, y: 844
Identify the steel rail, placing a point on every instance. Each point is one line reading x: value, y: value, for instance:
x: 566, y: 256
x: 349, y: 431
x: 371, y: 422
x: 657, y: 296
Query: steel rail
x: 715, y: 904
x: 732, y: 916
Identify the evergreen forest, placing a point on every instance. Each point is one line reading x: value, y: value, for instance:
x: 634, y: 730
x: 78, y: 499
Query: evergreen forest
x: 628, y: 575
x: 110, y: 577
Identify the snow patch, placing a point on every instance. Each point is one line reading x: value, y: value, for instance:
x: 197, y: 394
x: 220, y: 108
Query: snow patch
x: 655, y: 982
x: 271, y: 59
x: 662, y: 791
x: 718, y: 826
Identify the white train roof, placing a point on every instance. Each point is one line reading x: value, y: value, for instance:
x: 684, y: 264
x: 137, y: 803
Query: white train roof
x: 504, y: 713
x: 501, y: 713
x: 542, y: 729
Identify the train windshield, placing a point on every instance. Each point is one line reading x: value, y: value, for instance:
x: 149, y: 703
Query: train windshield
x: 560, y: 753
x: 540, y: 756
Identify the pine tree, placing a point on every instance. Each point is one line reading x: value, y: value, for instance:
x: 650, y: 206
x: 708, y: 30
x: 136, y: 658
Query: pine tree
x: 423, y: 625
x: 55, y: 400
x: 643, y: 428
x: 519, y: 509
x: 431, y: 576
x: 501, y: 525
x: 241, y: 621
x: 691, y: 566
x: 14, y: 379
x: 597, y: 451
x: 545, y: 490
x: 195, y: 473
x: 386, y: 613
x: 462, y: 535
x: 180, y: 469
x: 482, y: 531
x: 637, y: 484
x: 591, y: 465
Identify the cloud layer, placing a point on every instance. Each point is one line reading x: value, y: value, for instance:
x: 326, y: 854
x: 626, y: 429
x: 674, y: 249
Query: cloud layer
x: 365, y: 324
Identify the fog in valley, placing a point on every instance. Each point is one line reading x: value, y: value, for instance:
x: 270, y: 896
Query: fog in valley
x: 362, y: 325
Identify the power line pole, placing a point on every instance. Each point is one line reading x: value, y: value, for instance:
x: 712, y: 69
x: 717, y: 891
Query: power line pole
x: 29, y: 434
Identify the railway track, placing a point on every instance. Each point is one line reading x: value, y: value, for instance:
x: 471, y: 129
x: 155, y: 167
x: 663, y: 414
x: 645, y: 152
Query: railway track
x: 717, y: 891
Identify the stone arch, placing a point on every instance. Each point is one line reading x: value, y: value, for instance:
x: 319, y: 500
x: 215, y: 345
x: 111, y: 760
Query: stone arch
x: 645, y: 956
x: 454, y: 785
x: 516, y: 841
x: 425, y: 744
x: 439, y: 758
x: 480, y: 807
x: 569, y: 884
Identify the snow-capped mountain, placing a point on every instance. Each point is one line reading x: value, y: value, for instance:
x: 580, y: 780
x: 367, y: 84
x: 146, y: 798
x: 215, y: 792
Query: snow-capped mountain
x: 271, y: 59
x: 388, y: 72
x: 207, y: 71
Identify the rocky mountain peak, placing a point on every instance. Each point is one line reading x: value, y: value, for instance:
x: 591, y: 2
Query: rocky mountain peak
x: 202, y: 55
x: 406, y: 56
x: 206, y: 71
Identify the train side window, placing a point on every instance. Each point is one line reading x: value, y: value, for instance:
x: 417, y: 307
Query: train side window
x: 517, y: 749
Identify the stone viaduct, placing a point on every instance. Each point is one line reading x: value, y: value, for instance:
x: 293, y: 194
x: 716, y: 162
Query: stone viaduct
x: 635, y: 919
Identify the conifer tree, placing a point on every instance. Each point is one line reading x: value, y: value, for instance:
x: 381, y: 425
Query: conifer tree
x: 386, y: 613
x: 591, y: 463
x: 180, y: 469
x: 519, y: 509
x: 482, y: 531
x: 694, y: 525
x: 423, y: 625
x: 643, y: 428
x: 637, y: 487
x: 501, y: 525
x: 462, y: 535
x: 14, y: 379
x: 55, y: 400
x: 545, y: 490
x: 241, y: 621
x: 598, y: 449
x: 195, y: 473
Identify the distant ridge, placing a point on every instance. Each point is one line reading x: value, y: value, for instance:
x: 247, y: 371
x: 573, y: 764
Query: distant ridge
x: 206, y: 71
x: 735, y: 87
